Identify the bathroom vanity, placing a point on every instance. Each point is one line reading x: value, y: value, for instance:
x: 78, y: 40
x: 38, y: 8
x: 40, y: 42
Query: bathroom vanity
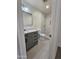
x: 31, y: 37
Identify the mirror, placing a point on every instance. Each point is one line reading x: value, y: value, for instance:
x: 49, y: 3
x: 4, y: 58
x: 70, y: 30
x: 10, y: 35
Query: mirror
x: 27, y: 17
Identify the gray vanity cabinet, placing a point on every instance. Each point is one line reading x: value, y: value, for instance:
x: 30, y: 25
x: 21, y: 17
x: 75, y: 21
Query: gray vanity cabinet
x: 31, y: 39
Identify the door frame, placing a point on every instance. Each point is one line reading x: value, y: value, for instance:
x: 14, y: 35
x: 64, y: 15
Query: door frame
x: 21, y: 47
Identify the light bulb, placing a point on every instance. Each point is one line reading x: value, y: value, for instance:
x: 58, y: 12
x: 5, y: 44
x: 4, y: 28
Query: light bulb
x: 47, y: 6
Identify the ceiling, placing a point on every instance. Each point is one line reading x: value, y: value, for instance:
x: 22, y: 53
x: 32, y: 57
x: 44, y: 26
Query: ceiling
x: 40, y: 5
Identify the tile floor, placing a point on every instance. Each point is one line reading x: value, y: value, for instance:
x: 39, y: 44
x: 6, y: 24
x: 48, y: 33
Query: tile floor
x: 43, y: 46
x: 36, y: 52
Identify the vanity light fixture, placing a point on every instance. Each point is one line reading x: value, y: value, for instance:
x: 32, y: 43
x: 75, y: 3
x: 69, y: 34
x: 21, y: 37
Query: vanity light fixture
x: 25, y: 9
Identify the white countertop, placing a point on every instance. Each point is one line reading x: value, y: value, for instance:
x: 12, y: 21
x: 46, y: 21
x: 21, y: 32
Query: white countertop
x: 30, y: 29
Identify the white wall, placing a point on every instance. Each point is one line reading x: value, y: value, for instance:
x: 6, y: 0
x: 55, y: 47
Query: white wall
x: 47, y: 24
